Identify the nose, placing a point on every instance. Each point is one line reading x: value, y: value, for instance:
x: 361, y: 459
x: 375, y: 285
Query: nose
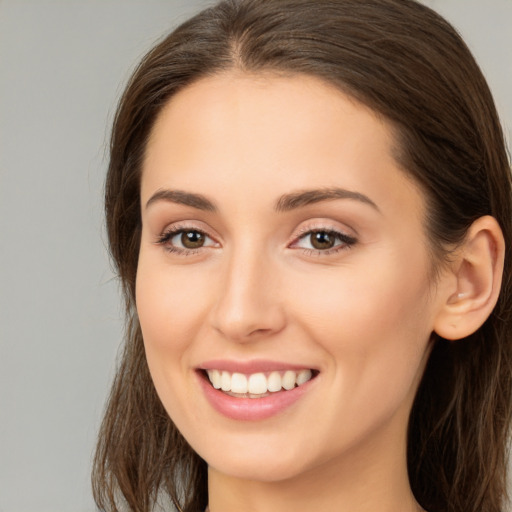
x: 248, y: 305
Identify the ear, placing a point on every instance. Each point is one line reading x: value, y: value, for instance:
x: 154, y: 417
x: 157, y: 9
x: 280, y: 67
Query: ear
x: 472, y: 285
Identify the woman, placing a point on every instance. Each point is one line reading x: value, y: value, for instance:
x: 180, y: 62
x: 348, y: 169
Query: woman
x: 309, y: 204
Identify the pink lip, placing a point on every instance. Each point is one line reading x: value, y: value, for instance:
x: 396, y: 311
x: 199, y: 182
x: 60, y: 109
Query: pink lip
x: 248, y: 367
x: 251, y: 409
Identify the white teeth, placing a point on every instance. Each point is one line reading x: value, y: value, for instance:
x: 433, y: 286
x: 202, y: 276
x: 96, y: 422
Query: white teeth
x: 225, y: 381
x: 303, y: 376
x: 215, y: 378
x: 289, y: 380
x: 274, y: 382
x: 257, y: 383
x: 238, y: 383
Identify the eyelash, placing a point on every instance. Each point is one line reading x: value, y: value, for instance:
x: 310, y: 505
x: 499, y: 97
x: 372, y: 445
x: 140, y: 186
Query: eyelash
x: 347, y: 241
x: 165, y: 238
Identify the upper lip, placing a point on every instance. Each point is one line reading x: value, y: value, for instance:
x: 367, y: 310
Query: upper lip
x: 249, y: 367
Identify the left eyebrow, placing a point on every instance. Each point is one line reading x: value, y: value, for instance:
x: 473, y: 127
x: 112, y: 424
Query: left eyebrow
x: 302, y: 198
x: 181, y: 197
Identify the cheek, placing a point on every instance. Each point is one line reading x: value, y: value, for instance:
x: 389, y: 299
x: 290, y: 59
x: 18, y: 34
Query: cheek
x: 356, y: 304
x: 375, y: 328
x: 170, y: 307
x: 169, y: 304
x: 374, y: 321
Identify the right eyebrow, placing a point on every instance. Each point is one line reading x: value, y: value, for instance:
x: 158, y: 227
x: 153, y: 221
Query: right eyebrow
x: 185, y: 198
x: 303, y: 198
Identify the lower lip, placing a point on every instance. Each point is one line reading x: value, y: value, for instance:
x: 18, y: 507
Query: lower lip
x: 252, y: 409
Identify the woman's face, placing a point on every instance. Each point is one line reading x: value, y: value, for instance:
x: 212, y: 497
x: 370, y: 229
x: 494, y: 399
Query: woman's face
x: 282, y: 245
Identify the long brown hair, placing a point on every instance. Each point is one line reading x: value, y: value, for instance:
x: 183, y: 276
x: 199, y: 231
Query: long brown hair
x: 407, y: 63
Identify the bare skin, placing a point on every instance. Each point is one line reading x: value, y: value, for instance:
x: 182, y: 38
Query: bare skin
x: 254, y: 284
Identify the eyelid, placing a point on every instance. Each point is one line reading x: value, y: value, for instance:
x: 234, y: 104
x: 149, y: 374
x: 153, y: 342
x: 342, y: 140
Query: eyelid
x: 324, y: 225
x: 348, y: 240
x: 175, y: 229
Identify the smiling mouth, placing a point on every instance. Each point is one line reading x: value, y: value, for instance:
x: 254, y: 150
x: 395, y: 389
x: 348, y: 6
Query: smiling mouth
x: 258, y: 385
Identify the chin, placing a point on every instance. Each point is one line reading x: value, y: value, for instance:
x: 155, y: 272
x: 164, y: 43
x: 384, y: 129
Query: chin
x: 271, y: 458
x: 268, y: 470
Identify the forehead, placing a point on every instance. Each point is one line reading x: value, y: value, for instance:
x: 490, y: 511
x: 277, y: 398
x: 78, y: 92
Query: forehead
x: 268, y: 134
x: 237, y: 104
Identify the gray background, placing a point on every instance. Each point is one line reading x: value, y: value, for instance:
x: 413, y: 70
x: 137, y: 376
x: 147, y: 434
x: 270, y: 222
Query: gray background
x: 62, y: 67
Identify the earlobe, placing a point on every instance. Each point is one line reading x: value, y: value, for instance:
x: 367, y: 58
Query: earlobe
x: 477, y: 269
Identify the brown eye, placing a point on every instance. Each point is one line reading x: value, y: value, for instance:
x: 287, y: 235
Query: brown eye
x: 185, y: 241
x: 322, y: 240
x: 192, y: 239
